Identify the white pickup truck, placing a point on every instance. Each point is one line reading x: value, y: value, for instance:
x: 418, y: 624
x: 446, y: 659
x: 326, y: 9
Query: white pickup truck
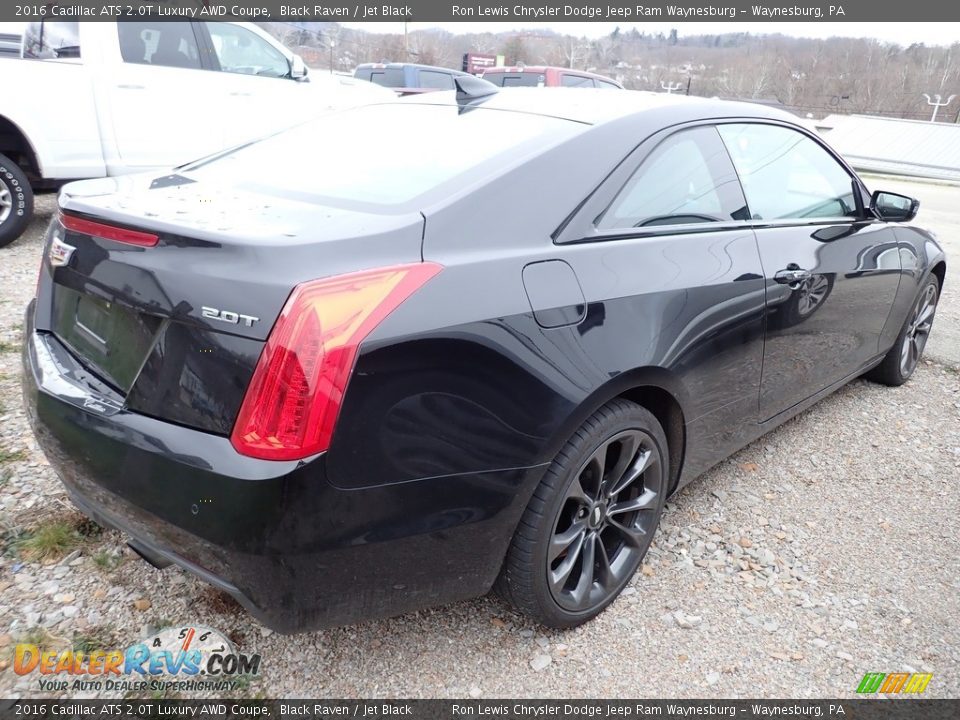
x: 92, y: 99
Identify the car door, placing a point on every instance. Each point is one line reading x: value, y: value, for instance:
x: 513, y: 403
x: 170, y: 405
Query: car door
x: 831, y: 273
x: 162, y: 101
x: 669, y: 267
x: 259, y: 96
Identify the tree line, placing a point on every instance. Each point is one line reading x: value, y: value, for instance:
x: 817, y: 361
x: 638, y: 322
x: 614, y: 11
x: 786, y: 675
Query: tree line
x: 815, y: 76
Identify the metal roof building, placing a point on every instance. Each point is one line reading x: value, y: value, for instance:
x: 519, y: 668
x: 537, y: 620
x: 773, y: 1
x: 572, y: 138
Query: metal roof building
x: 900, y: 147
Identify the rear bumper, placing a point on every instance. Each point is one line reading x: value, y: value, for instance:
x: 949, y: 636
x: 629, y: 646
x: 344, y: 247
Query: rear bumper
x: 294, y: 550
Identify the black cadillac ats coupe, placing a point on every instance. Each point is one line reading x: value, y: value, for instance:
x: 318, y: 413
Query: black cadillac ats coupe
x: 407, y: 353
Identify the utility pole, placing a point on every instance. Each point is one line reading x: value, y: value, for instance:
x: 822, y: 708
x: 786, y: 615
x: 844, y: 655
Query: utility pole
x: 936, y: 103
x: 333, y: 44
x: 669, y: 87
x: 406, y: 47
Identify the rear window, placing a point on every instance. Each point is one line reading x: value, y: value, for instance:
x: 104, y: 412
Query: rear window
x: 516, y: 79
x: 388, y: 77
x: 384, y: 154
x: 51, y: 40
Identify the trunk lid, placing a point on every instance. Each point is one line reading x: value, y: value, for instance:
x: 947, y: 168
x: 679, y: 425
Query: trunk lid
x: 176, y: 329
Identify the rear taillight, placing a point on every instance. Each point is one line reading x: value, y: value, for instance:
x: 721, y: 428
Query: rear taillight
x: 108, y: 232
x: 293, y: 400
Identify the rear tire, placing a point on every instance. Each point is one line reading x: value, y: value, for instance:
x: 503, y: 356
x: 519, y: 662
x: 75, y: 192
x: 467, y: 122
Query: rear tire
x: 901, y: 361
x: 591, y: 519
x: 16, y: 201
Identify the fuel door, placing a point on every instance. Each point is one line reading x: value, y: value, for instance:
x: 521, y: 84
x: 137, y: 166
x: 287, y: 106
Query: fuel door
x: 554, y: 293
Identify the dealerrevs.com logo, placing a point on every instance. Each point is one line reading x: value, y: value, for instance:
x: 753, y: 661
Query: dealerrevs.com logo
x: 176, y: 658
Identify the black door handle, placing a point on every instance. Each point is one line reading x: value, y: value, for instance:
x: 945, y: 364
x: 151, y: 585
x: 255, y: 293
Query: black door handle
x: 792, y: 275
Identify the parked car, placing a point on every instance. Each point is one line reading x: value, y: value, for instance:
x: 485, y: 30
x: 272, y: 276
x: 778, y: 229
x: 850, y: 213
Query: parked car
x: 140, y: 95
x: 342, y: 377
x: 544, y: 76
x: 409, y: 78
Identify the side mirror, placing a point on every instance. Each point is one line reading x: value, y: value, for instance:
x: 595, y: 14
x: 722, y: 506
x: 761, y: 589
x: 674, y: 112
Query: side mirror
x: 298, y: 68
x: 892, y: 206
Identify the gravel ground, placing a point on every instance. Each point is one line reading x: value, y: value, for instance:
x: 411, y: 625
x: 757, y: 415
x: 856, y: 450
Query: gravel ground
x: 825, y: 550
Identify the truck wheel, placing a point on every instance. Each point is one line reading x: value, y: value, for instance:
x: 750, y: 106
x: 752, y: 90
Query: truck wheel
x: 16, y: 201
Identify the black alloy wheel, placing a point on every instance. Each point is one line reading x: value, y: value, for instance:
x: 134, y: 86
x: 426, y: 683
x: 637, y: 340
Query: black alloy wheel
x: 591, y: 520
x: 901, y: 361
x: 918, y: 330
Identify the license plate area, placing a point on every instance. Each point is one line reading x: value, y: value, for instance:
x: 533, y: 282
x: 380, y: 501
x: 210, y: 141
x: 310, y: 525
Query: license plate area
x: 111, y: 339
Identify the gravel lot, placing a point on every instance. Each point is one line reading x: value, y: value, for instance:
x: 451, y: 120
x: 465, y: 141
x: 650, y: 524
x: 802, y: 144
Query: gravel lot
x: 825, y: 550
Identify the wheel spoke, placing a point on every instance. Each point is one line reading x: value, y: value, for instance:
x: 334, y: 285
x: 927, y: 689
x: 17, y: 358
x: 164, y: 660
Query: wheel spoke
x: 632, y: 536
x: 905, y: 354
x: 645, y: 501
x: 576, y: 492
x: 581, y: 593
x: 605, y: 576
x: 639, y: 466
x: 561, y: 541
x: 629, y: 444
x: 558, y: 577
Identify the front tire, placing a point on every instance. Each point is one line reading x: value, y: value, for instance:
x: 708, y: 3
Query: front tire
x: 591, y: 519
x: 16, y: 201
x: 901, y: 361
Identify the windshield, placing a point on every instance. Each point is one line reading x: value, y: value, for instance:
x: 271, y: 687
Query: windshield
x: 385, y: 154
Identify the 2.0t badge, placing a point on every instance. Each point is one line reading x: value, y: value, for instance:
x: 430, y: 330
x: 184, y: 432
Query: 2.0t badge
x: 228, y: 316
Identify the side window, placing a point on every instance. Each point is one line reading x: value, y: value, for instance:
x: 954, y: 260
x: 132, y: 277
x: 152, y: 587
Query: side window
x: 241, y: 51
x: 687, y: 179
x: 388, y: 77
x: 787, y: 175
x: 439, y: 80
x: 576, y: 81
x: 50, y: 40
x: 607, y: 85
x: 167, y: 44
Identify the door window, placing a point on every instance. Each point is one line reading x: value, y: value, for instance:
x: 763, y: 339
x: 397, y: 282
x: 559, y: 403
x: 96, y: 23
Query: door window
x: 388, y: 77
x: 241, y: 51
x: 438, y: 80
x: 603, y: 84
x: 687, y: 179
x: 576, y: 81
x: 787, y: 175
x: 51, y: 40
x: 168, y: 44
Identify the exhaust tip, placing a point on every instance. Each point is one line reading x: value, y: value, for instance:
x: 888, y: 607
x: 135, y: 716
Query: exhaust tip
x: 158, y: 561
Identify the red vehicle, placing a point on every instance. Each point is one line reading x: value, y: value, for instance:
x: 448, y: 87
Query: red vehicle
x: 545, y: 76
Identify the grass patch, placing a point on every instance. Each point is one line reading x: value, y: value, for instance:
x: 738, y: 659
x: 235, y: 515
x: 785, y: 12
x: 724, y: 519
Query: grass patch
x: 9, y: 347
x: 106, y: 560
x: 9, y: 456
x: 41, y: 637
x: 93, y: 638
x: 49, y: 541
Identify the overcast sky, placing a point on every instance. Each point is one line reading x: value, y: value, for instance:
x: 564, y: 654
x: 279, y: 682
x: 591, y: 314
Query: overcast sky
x: 903, y: 33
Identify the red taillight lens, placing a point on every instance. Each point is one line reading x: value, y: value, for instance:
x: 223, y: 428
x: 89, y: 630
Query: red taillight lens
x: 292, y: 404
x: 108, y: 232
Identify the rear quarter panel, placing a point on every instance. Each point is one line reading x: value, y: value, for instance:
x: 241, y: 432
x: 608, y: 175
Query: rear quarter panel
x: 461, y: 378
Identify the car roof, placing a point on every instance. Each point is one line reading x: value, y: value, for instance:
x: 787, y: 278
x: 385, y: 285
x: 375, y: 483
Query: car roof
x: 593, y: 106
x: 396, y: 65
